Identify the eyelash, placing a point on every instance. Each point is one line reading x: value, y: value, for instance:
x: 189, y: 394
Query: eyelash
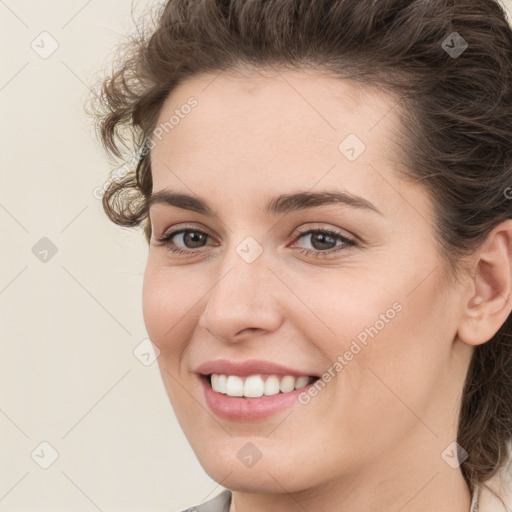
x: 347, y: 242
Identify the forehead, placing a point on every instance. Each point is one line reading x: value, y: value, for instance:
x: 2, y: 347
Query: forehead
x: 285, y: 129
x: 310, y: 105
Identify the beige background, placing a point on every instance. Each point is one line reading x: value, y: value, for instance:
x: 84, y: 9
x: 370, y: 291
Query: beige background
x: 68, y: 375
x: 69, y: 325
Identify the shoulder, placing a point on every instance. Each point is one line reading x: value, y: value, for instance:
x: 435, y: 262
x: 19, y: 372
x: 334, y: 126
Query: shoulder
x: 219, y: 503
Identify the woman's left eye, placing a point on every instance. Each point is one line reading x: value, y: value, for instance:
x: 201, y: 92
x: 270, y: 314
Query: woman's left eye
x: 323, y: 241
x: 320, y: 238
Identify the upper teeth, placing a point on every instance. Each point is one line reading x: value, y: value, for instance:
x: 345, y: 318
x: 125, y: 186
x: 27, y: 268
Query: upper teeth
x: 254, y: 386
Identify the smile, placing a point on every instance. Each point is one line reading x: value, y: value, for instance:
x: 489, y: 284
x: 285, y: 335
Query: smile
x: 256, y: 386
x: 241, y: 408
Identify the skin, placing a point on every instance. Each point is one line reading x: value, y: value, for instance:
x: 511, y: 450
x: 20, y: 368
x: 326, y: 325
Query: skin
x: 373, y: 437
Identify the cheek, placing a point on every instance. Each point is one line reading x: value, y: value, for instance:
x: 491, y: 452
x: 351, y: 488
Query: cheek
x: 400, y: 370
x: 169, y: 301
x: 338, y: 306
x: 393, y: 336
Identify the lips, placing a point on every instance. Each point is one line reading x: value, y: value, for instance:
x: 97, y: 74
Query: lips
x: 242, y: 409
x: 250, y: 367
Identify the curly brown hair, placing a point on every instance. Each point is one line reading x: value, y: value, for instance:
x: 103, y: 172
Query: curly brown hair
x: 455, y: 109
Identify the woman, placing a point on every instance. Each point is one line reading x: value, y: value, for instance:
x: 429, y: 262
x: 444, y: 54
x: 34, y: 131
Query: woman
x: 325, y: 190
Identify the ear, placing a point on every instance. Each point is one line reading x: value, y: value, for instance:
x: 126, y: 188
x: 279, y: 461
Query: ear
x: 488, y: 303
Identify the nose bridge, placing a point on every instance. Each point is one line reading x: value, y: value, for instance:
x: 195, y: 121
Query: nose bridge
x: 244, y: 267
x: 241, y: 297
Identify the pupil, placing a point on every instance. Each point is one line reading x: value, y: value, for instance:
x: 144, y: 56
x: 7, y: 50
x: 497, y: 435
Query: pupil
x: 193, y: 237
x: 323, y: 238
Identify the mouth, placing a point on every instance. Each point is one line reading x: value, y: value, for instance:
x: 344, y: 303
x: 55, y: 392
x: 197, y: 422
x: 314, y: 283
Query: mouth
x: 257, y: 385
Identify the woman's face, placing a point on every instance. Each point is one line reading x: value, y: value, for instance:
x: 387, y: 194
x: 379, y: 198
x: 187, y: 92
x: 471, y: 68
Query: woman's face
x: 259, y: 278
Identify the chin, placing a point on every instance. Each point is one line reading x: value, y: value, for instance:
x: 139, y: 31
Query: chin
x: 264, y: 476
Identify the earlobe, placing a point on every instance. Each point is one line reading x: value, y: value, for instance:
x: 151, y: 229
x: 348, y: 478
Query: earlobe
x: 490, y: 289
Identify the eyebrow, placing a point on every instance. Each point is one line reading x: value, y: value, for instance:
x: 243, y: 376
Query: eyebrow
x: 283, y: 203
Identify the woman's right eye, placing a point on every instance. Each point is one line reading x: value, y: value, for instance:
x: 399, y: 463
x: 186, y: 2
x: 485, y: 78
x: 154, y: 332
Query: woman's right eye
x: 191, y: 237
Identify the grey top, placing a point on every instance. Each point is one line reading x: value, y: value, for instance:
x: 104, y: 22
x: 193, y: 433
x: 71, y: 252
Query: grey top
x: 220, y: 503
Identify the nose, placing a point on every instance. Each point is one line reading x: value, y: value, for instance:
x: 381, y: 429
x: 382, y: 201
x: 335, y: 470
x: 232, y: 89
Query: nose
x: 243, y: 301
